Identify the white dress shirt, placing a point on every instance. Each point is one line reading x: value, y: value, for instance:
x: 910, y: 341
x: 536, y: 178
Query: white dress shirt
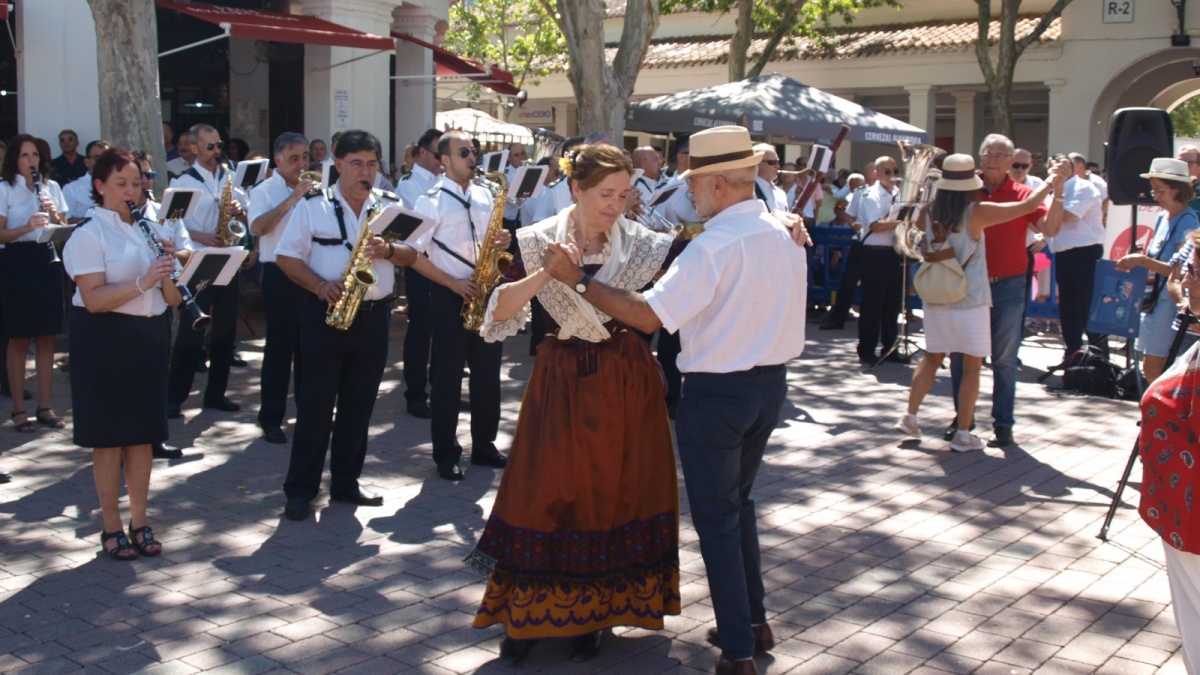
x: 18, y: 204
x: 171, y: 230
x: 512, y: 211
x: 119, y: 250
x: 457, y: 228
x: 414, y: 186
x: 1081, y: 198
x: 263, y: 198
x: 78, y: 194
x: 646, y: 186
x: 770, y: 194
x: 209, y: 207
x: 316, y: 217
x: 737, y: 294
x: 553, y: 199
x: 875, y: 203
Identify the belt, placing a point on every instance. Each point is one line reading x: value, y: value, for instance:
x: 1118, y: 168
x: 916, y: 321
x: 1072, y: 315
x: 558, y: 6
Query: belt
x: 993, y: 280
x: 368, y: 305
x: 878, y: 246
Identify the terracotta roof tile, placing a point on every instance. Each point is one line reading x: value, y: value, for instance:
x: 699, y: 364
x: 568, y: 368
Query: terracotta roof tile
x: 950, y: 36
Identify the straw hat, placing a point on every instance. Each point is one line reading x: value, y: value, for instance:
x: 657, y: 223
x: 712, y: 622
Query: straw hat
x: 1169, y: 168
x: 958, y: 174
x: 721, y: 149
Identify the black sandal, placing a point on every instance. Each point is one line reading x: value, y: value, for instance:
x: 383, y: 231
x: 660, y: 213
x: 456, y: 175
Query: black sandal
x: 123, y: 550
x: 148, y: 546
x: 51, y: 421
x: 26, y: 427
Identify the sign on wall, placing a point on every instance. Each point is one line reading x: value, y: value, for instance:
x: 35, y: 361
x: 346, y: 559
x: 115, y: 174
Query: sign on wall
x: 1117, y: 11
x: 533, y: 114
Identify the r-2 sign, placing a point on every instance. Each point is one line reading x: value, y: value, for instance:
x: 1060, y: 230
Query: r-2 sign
x: 1117, y: 11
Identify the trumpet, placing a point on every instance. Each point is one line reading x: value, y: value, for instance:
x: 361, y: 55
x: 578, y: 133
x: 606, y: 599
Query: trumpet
x: 315, y: 177
x: 200, y: 320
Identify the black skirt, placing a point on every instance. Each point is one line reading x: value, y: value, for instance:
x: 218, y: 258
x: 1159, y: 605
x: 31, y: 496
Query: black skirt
x: 32, y: 291
x: 119, y: 378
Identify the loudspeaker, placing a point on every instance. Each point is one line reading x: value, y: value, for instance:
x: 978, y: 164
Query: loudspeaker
x: 1135, y: 137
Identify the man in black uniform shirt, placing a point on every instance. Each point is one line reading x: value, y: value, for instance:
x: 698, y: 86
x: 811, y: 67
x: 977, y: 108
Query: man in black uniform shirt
x: 342, y: 368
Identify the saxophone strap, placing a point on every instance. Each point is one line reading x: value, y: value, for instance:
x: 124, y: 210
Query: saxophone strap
x: 341, y: 218
x: 470, y: 224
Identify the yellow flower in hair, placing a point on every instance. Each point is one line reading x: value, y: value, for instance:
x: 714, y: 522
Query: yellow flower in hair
x: 564, y: 165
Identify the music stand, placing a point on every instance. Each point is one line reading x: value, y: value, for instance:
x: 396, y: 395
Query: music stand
x: 178, y: 203
x: 494, y: 162
x: 211, y: 267
x: 527, y: 183
x: 401, y: 224
x: 903, y: 344
x: 55, y: 233
x: 249, y: 173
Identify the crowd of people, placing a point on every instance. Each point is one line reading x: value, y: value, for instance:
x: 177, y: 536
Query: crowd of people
x: 583, y: 535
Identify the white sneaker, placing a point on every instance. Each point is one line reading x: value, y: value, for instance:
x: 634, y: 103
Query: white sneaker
x: 907, y: 425
x: 965, y: 441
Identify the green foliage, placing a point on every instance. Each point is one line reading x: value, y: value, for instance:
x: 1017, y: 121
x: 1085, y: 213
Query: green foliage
x: 1186, y: 118
x: 517, y: 35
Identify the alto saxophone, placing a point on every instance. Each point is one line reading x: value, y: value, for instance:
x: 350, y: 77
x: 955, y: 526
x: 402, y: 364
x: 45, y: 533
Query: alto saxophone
x: 229, y: 231
x: 492, y: 261
x: 358, y: 276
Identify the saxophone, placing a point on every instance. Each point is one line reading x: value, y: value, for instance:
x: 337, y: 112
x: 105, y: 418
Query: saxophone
x: 358, y: 276
x: 229, y: 231
x: 491, y: 261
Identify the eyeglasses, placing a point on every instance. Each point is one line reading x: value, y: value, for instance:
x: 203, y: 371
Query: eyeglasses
x: 465, y: 152
x: 771, y: 162
x: 1020, y: 166
x: 67, y: 139
x: 889, y: 172
x: 210, y: 146
x: 149, y: 175
x: 1159, y: 192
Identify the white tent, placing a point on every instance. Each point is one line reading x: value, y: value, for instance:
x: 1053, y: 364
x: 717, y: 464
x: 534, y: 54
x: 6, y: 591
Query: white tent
x: 483, y: 126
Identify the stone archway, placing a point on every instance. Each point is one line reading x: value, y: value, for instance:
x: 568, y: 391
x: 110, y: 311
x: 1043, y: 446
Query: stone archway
x: 1163, y: 79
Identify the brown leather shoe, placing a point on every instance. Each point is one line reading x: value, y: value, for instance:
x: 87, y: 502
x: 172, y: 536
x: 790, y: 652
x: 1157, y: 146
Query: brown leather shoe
x: 743, y: 667
x: 764, y: 638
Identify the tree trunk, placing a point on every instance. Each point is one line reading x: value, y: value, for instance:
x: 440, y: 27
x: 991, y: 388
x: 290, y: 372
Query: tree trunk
x: 127, y: 55
x: 739, y: 46
x: 789, y: 19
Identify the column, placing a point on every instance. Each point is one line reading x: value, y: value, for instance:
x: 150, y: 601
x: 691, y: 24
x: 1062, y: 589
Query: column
x: 249, y: 95
x: 964, y: 120
x: 416, y: 99
x: 922, y: 108
x: 57, y: 76
x: 1063, y: 135
x: 341, y: 94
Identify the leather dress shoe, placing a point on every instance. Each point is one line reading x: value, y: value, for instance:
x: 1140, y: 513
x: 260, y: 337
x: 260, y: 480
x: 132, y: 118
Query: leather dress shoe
x: 297, y: 508
x: 742, y: 667
x: 585, y: 647
x: 764, y: 638
x: 513, y: 651
x: 1001, y: 437
x: 223, y: 404
x: 173, y: 411
x: 897, y: 357
x: 361, y: 497
x: 829, y: 325
x: 164, y: 451
x: 419, y: 409
x: 450, y: 471
x: 273, y: 434
x: 5, y: 477
x: 202, y: 367
x: 239, y: 362
x: 488, y: 456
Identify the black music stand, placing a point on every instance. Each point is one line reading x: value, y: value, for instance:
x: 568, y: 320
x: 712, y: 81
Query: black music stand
x: 903, y: 345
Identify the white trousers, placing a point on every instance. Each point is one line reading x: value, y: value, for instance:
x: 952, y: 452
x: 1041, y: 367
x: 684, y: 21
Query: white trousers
x: 1183, y: 573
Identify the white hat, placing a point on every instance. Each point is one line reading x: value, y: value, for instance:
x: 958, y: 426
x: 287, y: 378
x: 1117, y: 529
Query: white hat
x: 721, y: 149
x: 958, y: 174
x: 1169, y: 168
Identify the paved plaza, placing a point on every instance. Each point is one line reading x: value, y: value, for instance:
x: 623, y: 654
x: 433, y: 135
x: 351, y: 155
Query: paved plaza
x: 880, y: 556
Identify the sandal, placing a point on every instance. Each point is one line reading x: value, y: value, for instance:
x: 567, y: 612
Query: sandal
x: 123, y: 550
x: 148, y: 546
x: 24, y: 427
x: 51, y: 421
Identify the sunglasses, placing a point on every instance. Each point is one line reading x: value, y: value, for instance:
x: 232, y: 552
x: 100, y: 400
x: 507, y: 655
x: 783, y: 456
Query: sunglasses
x: 66, y: 139
x: 1020, y: 166
x: 771, y: 162
x: 211, y: 146
x: 890, y: 172
x: 465, y: 152
x: 149, y: 175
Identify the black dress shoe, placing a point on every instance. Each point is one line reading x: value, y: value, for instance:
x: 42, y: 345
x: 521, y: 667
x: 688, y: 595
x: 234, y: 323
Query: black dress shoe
x: 728, y: 667
x: 513, y: 651
x: 361, y: 497
x: 585, y: 647
x: 173, y: 411
x: 1001, y: 437
x: 897, y: 357
x: 5, y: 477
x: 238, y: 362
x: 829, y: 325
x: 450, y: 471
x: 223, y: 404
x: 273, y: 434
x: 488, y: 456
x: 297, y: 508
x: 202, y: 367
x: 419, y: 409
x: 164, y: 451
x: 948, y: 434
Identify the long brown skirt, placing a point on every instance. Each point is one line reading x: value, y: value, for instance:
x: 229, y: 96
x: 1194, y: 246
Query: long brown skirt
x: 584, y: 534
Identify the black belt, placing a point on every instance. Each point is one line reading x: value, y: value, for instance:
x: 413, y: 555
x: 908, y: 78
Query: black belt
x: 882, y: 248
x: 992, y: 280
x: 368, y: 305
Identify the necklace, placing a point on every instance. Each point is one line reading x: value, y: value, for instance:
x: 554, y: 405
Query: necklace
x: 592, y: 244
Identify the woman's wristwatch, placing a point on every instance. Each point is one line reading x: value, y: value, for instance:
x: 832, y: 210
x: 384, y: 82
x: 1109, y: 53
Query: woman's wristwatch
x: 582, y: 284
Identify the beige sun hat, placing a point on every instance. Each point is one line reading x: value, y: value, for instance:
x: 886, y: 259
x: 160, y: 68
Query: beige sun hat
x: 1169, y: 168
x: 721, y: 149
x: 958, y: 174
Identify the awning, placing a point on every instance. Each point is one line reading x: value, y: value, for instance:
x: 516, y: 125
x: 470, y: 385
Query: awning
x: 277, y: 27
x: 450, y: 64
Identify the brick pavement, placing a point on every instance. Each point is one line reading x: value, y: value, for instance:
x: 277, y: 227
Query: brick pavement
x: 879, y: 556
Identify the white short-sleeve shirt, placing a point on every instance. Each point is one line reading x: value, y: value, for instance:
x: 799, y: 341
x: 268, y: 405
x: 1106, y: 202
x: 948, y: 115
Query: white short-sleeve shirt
x: 458, y: 228
x: 770, y: 194
x: 553, y: 199
x: 119, y: 250
x: 736, y: 294
x: 414, y: 186
x: 210, y: 186
x: 264, y: 197
x: 18, y: 204
x: 1081, y: 198
x: 78, y: 194
x: 874, y: 204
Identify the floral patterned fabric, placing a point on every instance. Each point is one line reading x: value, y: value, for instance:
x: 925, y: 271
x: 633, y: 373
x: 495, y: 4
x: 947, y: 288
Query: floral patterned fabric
x: 1168, y: 450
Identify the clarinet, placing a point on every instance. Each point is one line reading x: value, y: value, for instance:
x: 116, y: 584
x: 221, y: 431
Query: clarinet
x: 200, y: 320
x: 37, y: 192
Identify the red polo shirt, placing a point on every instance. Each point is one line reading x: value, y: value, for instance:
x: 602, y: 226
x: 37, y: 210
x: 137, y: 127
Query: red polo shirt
x: 1005, y: 243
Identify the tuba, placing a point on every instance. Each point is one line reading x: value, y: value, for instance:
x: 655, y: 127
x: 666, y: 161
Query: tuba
x: 492, y: 261
x: 546, y: 143
x: 229, y: 231
x: 915, y: 192
x: 358, y: 276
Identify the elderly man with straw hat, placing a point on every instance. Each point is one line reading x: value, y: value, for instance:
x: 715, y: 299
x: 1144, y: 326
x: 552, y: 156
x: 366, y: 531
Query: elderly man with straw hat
x: 737, y: 297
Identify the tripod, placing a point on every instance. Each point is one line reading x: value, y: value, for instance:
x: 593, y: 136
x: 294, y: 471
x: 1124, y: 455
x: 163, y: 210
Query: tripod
x: 904, y: 345
x: 1185, y: 319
